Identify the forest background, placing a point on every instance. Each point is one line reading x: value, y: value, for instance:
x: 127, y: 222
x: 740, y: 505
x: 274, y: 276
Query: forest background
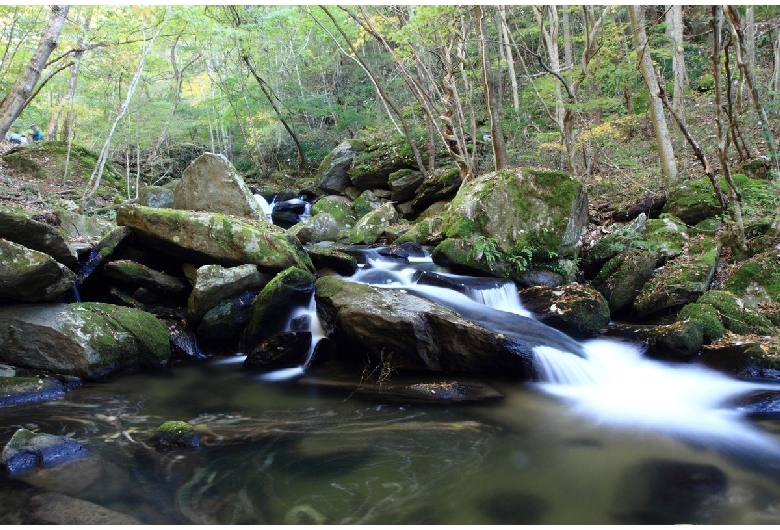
x: 626, y: 98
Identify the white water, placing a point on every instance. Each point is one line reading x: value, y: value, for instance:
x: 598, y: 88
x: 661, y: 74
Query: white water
x: 615, y: 385
x: 267, y: 208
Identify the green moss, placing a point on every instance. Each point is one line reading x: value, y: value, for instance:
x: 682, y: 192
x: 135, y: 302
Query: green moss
x: 734, y: 317
x: 707, y: 316
x: 464, y: 229
x: 762, y: 271
x: 175, y: 427
x: 361, y: 206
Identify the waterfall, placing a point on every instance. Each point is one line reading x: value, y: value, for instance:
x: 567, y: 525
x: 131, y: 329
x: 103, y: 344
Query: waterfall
x: 267, y: 208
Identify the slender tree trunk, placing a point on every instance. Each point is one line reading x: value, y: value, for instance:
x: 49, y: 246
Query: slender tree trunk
x: 550, y: 38
x: 776, y: 68
x: 675, y: 20
x: 723, y: 133
x: 736, y: 26
x: 14, y: 102
x: 493, y: 105
x: 510, y: 60
x: 568, y: 44
x: 97, y: 173
x: 665, y: 149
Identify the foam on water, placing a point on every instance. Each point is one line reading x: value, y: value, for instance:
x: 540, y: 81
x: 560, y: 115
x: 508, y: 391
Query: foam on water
x: 617, y: 386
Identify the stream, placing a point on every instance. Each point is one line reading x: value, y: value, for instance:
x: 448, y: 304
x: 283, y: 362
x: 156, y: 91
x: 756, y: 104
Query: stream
x: 611, y: 438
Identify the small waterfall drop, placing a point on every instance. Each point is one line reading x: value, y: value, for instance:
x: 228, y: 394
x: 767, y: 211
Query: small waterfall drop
x: 267, y: 208
x: 302, y: 318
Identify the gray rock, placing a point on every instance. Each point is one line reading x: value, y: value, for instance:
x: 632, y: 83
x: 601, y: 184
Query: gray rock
x: 20, y: 228
x: 412, y: 333
x: 156, y: 197
x: 215, y: 283
x: 56, y: 508
x: 404, y: 183
x: 90, y: 340
x: 211, y: 184
x: 215, y: 238
x: 316, y: 228
x: 371, y: 226
x: 30, y: 276
x: 333, y: 177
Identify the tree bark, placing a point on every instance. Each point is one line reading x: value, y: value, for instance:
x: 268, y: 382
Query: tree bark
x: 663, y: 140
x: 675, y: 20
x: 493, y: 106
x: 17, y: 98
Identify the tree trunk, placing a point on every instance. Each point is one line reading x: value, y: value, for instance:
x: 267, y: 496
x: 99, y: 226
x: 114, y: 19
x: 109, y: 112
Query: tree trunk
x: 723, y: 134
x: 665, y: 149
x: 100, y: 164
x: 510, y: 60
x: 776, y: 69
x: 675, y: 20
x: 14, y: 102
x: 492, y: 103
x: 738, y: 35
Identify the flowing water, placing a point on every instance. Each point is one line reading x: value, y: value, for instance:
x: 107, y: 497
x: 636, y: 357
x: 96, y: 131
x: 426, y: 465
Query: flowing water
x: 605, y: 439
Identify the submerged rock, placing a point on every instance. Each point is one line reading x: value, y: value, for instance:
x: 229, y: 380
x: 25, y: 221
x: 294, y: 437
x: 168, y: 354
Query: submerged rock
x: 27, y: 450
x: 175, y: 434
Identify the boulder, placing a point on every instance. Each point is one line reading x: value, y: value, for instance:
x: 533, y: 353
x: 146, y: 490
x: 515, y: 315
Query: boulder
x: 756, y: 280
x: 108, y: 247
x: 404, y: 183
x: 329, y: 258
x: 441, y: 185
x: 156, y: 197
x: 377, y: 158
x: 140, y: 275
x: 525, y: 218
x: 371, y: 226
x: 572, y: 308
x: 283, y: 350
x: 223, y: 324
x: 215, y: 238
x: 618, y: 239
x: 272, y: 308
x: 425, y: 232
x: 680, y: 281
x: 27, y: 275
x: 316, y: 228
x: 408, y: 332
x: 622, y: 277
x: 332, y: 173
x: 337, y: 206
x: 747, y: 360
x: 17, y: 226
x: 27, y: 450
x: 89, y: 340
x: 735, y: 315
x: 17, y: 389
x: 211, y: 184
x: 215, y: 283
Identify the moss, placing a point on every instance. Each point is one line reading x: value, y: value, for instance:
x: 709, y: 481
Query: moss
x: 175, y: 427
x: 734, y: 317
x: 464, y: 229
x: 448, y: 176
x: 361, y: 206
x: 762, y: 271
x: 175, y: 434
x: 708, y: 318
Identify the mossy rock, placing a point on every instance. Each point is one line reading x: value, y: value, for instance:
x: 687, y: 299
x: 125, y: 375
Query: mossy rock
x: 272, y: 307
x: 426, y: 232
x: 371, y: 226
x: 531, y: 215
x: 667, y: 236
x: 757, y: 280
x: 707, y: 316
x: 175, y: 434
x: 748, y: 360
x: 734, y: 315
x: 682, y: 280
x: 622, y: 278
x: 620, y: 239
x: 571, y: 308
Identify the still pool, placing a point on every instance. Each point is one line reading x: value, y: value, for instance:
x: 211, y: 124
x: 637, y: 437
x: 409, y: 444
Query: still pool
x: 288, y: 452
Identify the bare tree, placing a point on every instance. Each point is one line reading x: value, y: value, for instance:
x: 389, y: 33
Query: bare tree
x: 100, y: 164
x: 663, y: 140
x: 19, y: 96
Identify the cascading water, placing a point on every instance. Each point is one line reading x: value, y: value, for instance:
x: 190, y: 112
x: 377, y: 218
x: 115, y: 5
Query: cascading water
x: 612, y: 383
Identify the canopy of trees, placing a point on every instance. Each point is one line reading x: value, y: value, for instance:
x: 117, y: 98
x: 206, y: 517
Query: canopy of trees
x: 277, y: 87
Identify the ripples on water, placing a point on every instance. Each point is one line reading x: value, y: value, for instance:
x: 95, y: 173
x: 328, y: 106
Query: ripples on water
x: 613, y: 438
